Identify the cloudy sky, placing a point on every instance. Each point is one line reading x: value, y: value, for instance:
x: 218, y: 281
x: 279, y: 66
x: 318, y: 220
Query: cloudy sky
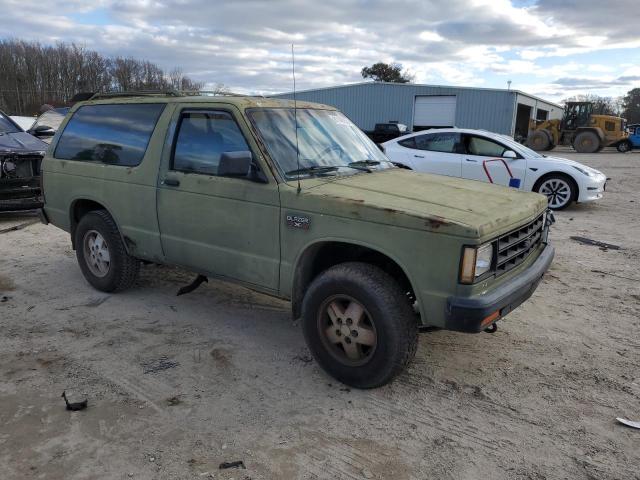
x: 551, y: 48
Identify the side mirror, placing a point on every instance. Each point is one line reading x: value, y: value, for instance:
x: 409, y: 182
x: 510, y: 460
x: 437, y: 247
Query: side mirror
x: 42, y: 131
x: 509, y: 154
x: 235, y: 164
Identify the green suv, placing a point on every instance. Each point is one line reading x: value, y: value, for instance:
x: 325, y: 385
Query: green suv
x: 296, y: 202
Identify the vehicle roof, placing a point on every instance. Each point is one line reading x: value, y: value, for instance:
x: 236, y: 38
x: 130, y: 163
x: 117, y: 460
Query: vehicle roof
x: 240, y: 101
x: 486, y: 133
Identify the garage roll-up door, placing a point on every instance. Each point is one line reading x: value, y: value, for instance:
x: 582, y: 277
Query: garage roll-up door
x: 435, y: 111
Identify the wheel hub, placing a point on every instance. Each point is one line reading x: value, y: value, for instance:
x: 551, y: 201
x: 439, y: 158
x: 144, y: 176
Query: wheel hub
x: 96, y: 253
x: 557, y: 191
x: 347, y: 330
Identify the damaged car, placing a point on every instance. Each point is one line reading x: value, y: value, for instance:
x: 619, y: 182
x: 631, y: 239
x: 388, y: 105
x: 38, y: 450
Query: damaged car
x: 20, y: 158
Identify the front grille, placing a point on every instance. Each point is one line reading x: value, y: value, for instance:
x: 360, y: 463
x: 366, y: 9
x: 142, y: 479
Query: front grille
x: 514, y: 247
x: 20, y: 166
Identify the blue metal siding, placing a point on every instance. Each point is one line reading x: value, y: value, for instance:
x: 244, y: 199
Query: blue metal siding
x: 371, y: 103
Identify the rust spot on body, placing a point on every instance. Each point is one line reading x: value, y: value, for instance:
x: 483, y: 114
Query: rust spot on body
x: 436, y: 222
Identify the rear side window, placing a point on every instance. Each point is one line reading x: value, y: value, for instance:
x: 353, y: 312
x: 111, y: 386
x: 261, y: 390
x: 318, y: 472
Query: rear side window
x: 439, y: 142
x: 202, y: 138
x: 113, y: 134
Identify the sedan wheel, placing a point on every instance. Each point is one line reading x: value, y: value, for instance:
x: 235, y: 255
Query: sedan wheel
x: 558, y: 190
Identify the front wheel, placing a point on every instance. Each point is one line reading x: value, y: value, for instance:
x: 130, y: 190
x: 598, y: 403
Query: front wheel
x: 559, y: 189
x: 539, y: 140
x: 359, y: 325
x: 624, y: 146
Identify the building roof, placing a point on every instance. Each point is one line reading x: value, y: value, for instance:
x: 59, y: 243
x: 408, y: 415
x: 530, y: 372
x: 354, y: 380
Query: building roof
x: 394, y: 84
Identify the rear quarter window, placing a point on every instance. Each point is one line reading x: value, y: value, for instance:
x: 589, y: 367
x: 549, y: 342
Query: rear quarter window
x: 117, y: 134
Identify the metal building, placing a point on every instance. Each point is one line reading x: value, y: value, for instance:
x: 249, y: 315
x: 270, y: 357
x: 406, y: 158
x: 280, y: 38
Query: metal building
x: 428, y: 106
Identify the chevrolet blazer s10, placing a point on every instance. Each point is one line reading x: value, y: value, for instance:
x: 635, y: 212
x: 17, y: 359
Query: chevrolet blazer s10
x: 296, y: 202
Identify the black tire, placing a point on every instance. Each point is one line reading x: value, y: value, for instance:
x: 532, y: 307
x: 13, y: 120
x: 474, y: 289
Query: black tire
x: 387, y: 310
x: 539, y: 140
x: 586, y: 142
x: 549, y: 178
x: 624, y: 147
x: 122, y: 269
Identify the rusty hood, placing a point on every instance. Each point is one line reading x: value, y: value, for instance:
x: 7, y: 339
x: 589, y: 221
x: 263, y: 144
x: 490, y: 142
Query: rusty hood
x: 405, y: 198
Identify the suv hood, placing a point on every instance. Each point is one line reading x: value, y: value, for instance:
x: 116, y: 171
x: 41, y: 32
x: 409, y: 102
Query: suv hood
x: 21, y: 142
x: 408, y: 199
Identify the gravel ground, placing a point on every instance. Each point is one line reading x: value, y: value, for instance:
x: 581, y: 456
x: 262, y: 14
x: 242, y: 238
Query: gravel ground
x: 177, y: 385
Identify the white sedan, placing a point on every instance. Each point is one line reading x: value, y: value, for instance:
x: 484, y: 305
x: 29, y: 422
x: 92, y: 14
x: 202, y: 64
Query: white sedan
x: 494, y: 158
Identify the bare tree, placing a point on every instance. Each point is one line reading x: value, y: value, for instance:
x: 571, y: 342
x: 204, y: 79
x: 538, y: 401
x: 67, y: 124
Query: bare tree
x: 32, y: 74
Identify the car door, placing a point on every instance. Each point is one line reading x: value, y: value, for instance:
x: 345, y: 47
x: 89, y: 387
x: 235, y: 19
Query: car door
x: 436, y: 152
x: 211, y: 223
x: 484, y: 160
x: 635, y: 138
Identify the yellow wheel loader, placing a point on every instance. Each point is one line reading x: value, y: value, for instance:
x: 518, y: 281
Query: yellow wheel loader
x: 584, y: 130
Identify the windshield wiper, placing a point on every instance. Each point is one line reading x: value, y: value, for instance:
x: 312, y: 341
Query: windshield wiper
x: 313, y: 169
x: 365, y: 162
x: 359, y: 165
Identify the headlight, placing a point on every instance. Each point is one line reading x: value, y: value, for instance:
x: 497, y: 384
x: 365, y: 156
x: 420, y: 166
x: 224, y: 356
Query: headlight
x: 476, y: 261
x: 589, y: 172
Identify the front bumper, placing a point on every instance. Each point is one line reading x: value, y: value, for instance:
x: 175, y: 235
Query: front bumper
x: 592, y: 189
x: 18, y: 194
x: 466, y: 314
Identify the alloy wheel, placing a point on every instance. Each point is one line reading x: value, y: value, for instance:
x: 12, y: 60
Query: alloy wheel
x: 347, y: 330
x: 557, y: 190
x: 96, y: 253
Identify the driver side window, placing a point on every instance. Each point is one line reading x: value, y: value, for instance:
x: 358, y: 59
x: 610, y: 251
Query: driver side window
x: 484, y: 147
x: 202, y: 138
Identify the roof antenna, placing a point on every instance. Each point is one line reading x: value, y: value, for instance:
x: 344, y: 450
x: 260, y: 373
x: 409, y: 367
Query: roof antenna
x: 295, y: 113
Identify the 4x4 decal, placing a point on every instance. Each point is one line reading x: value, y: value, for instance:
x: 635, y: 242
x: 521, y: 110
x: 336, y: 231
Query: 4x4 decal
x: 298, y: 221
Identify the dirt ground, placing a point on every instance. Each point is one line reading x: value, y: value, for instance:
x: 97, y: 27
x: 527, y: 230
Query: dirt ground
x: 177, y: 385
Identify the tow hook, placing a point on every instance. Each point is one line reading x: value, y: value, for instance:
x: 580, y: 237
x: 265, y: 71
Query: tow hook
x: 493, y: 328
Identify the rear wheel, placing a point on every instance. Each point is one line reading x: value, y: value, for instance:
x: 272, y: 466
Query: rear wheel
x: 358, y: 325
x: 560, y: 190
x: 102, y: 255
x: 539, y: 140
x: 624, y: 146
x: 586, y: 142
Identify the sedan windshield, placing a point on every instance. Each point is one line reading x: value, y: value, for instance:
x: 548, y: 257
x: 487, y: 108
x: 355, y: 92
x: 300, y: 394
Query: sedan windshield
x: 7, y: 126
x: 327, y: 142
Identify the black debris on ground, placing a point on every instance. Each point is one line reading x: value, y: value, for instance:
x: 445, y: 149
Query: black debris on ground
x: 74, y: 406
x: 235, y: 464
x: 596, y: 243
x: 158, y: 365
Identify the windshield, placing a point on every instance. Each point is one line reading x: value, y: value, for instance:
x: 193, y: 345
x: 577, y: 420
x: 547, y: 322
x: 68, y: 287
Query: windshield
x: 6, y: 125
x: 51, y: 119
x: 327, y: 141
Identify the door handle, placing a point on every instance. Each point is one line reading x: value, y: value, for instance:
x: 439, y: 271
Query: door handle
x: 419, y: 156
x: 472, y: 160
x: 171, y: 182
